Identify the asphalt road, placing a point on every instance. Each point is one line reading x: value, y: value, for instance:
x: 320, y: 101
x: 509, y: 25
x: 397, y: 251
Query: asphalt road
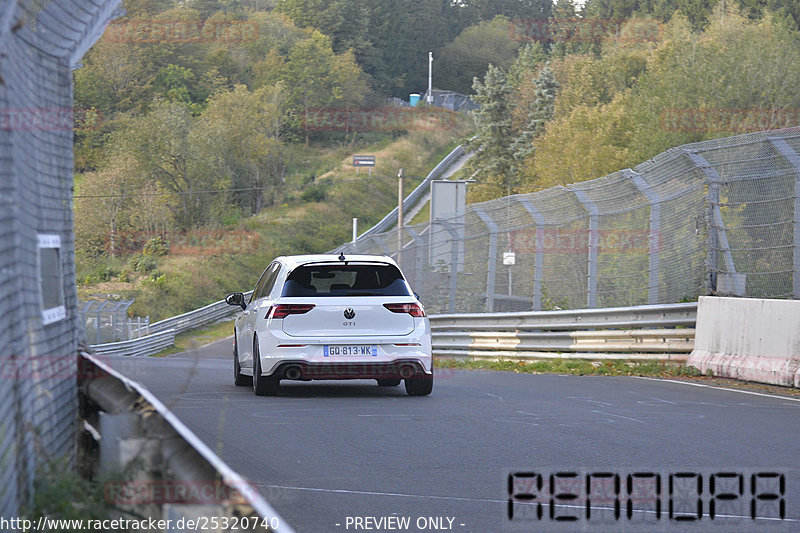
x: 346, y: 456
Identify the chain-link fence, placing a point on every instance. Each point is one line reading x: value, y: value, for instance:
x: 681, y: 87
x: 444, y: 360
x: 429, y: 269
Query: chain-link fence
x: 108, y: 321
x: 716, y: 217
x: 40, y: 44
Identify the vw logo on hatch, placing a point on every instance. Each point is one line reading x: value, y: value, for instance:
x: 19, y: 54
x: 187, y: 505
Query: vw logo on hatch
x: 349, y: 313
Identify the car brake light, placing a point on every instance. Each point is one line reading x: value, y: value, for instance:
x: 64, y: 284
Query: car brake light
x: 411, y: 309
x: 284, y: 310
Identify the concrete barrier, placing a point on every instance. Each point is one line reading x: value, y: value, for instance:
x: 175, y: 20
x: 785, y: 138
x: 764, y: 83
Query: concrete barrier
x: 749, y: 339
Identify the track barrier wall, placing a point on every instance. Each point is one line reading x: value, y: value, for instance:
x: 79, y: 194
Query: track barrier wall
x: 749, y: 339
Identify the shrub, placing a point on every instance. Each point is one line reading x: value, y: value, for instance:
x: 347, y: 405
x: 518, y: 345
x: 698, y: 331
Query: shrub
x: 142, y: 263
x: 156, y: 246
x: 316, y: 192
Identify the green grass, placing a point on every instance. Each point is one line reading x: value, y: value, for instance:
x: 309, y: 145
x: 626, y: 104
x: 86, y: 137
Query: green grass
x: 616, y: 367
x: 198, y: 337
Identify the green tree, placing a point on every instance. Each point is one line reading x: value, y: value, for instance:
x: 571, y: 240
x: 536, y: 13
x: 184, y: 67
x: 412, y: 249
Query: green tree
x: 173, y: 81
x: 316, y: 77
x: 103, y: 214
x: 163, y: 149
x: 470, y: 54
x: 240, y: 134
x: 493, y: 163
x: 538, y: 113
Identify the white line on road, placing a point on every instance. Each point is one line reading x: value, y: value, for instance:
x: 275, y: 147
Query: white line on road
x: 773, y: 396
x: 620, y: 416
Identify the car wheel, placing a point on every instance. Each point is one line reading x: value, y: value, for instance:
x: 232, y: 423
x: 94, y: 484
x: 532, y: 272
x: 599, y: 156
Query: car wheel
x: 262, y: 385
x: 239, y: 379
x: 389, y: 382
x: 419, y: 384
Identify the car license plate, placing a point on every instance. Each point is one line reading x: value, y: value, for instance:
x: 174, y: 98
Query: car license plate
x: 349, y: 350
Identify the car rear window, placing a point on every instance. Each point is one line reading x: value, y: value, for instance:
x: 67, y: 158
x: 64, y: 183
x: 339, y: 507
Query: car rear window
x: 345, y: 280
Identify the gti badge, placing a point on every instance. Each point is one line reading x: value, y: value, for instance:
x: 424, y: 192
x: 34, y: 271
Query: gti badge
x: 349, y: 313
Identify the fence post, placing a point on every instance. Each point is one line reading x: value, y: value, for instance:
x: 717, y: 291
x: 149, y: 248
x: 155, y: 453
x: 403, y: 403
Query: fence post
x: 654, y: 231
x: 492, y: 259
x: 538, y: 264
x: 794, y: 159
x: 594, y: 228
x: 451, y: 307
x: 98, y: 336
x: 418, y: 259
x: 717, y: 238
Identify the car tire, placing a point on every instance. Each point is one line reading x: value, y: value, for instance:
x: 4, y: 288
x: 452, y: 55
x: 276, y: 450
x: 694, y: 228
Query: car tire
x: 389, y: 382
x: 419, y: 384
x: 263, y: 385
x: 239, y: 379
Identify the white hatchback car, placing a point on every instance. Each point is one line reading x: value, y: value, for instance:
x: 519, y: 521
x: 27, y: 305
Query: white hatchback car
x: 332, y: 317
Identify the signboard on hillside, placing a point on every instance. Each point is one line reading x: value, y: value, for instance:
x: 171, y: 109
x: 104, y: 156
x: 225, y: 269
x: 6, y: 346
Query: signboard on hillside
x: 363, y: 160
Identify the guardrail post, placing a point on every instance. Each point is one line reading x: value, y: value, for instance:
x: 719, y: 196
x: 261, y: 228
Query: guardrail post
x: 594, y: 238
x: 717, y: 238
x: 492, y: 262
x: 538, y: 265
x: 794, y: 159
x: 655, y: 231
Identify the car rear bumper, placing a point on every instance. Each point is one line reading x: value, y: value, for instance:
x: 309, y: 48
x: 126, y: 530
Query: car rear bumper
x: 390, y: 355
x: 305, y: 370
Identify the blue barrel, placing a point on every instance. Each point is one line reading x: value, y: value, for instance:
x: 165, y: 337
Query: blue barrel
x: 413, y: 99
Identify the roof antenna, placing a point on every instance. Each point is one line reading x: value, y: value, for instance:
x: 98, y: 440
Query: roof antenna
x: 341, y: 256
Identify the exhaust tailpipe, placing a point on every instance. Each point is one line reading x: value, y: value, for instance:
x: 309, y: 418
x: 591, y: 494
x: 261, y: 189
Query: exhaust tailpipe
x: 406, y: 371
x: 293, y: 372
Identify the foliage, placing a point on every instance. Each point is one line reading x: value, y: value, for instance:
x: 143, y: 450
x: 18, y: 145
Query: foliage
x: 537, y: 113
x: 698, y: 12
x: 156, y: 246
x: 493, y: 163
x: 582, y: 367
x: 240, y: 139
x: 614, y: 111
x: 142, y: 263
x: 316, y: 192
x: 474, y: 49
x: 62, y: 494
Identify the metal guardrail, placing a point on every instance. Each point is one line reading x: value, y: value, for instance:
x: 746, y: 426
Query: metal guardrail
x: 194, y: 319
x: 143, y: 346
x: 162, y: 333
x: 175, y: 475
x: 635, y: 317
x: 642, y: 332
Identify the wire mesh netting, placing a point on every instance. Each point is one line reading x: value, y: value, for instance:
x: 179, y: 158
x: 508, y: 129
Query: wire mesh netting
x: 107, y: 321
x: 40, y: 43
x: 716, y: 217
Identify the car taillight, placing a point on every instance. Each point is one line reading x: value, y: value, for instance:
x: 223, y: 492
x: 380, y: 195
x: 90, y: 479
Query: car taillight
x: 411, y: 309
x: 284, y: 310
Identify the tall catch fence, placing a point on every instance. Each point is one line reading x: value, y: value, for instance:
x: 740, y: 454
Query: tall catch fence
x: 40, y: 43
x: 715, y: 217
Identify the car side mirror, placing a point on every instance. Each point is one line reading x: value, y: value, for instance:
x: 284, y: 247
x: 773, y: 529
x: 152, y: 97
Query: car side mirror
x: 236, y: 298
x: 416, y: 296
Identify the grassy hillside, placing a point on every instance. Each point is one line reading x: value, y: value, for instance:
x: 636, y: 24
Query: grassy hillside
x: 325, y: 193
